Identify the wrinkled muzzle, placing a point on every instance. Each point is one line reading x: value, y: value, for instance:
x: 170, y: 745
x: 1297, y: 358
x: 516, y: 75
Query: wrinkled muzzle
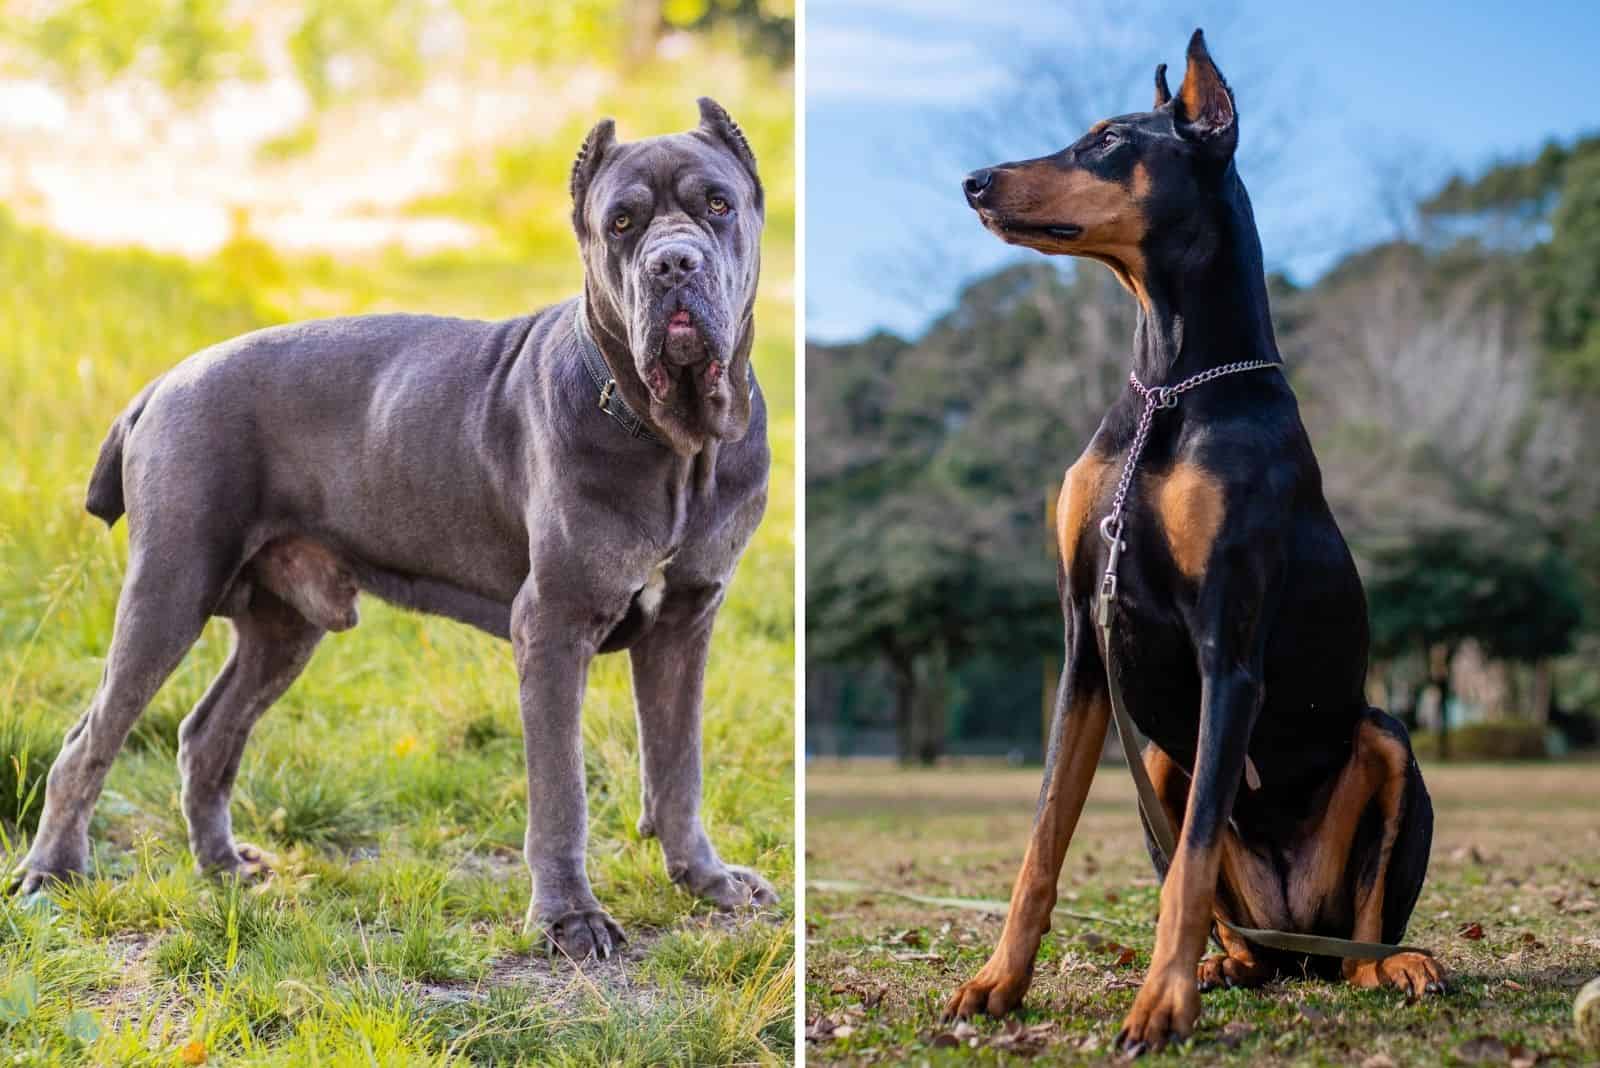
x: 684, y: 330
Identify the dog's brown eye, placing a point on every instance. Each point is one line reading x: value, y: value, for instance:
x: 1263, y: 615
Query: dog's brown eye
x: 621, y: 223
x: 1109, y: 138
x: 718, y: 205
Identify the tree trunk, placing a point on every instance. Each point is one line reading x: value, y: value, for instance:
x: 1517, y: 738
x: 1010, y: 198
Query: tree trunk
x: 904, y: 671
x: 1543, y: 692
x: 929, y: 732
x: 1442, y: 657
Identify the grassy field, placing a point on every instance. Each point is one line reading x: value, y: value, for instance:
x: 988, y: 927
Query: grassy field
x: 1516, y: 851
x: 389, y: 780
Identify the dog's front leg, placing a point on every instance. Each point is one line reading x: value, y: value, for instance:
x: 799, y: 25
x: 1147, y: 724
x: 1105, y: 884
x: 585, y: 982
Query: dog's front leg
x: 553, y: 653
x: 669, y: 665
x: 1169, y: 1001
x: 1077, y: 733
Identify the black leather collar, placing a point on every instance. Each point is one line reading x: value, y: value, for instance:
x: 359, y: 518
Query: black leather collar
x: 611, y: 401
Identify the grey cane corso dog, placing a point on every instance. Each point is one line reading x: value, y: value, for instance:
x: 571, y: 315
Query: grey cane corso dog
x: 579, y: 480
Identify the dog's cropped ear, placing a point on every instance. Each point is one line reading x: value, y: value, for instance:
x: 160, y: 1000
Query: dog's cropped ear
x: 720, y: 125
x: 595, y: 146
x: 1203, y: 109
x: 1163, y: 94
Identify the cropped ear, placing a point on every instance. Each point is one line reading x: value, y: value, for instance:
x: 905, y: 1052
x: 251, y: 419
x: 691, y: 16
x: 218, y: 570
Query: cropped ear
x: 1203, y: 109
x: 584, y: 168
x: 1163, y: 94
x: 720, y: 125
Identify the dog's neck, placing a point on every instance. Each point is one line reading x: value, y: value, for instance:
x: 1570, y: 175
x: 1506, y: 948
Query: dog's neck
x: 1208, y: 305
x: 692, y: 466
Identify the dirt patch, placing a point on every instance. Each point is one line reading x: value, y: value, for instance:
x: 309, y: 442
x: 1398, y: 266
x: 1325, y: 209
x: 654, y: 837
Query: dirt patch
x: 558, y: 982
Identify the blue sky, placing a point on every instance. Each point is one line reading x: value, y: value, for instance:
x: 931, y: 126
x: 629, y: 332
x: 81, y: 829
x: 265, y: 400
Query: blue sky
x: 1344, y: 109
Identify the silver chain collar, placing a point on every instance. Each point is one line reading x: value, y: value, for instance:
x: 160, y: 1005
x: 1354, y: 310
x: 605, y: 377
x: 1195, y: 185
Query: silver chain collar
x: 1155, y: 399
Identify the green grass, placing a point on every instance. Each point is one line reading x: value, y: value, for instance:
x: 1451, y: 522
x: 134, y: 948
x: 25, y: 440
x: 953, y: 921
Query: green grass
x: 389, y: 780
x: 1516, y: 849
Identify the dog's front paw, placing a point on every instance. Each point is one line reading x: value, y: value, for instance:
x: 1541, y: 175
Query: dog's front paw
x: 245, y: 862
x: 1166, y: 1008
x: 584, y: 933
x: 994, y: 991
x: 29, y: 880
x: 37, y: 874
x: 730, y: 887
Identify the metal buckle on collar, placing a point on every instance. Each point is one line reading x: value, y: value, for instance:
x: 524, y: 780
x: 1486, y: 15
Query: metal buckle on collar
x: 606, y: 391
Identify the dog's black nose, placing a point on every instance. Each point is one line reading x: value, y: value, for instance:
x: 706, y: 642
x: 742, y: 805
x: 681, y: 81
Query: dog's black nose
x: 977, y: 183
x: 670, y: 264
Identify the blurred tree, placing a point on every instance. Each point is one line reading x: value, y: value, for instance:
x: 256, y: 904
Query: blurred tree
x: 929, y: 470
x: 1569, y: 277
x: 1517, y: 595
x: 765, y: 27
x: 186, y: 46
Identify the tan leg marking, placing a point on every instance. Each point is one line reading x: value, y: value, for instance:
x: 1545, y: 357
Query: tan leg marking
x: 1376, y: 774
x: 1081, y: 491
x: 1247, y: 889
x: 1189, y: 501
x: 1000, y: 984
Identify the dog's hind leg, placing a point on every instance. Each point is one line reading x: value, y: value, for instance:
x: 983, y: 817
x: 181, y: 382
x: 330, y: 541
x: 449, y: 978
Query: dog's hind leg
x: 1077, y: 734
x: 159, y: 615
x: 272, y: 645
x: 1372, y: 851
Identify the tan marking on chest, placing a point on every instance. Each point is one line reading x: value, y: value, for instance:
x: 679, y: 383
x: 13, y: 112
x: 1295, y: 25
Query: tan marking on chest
x: 1080, y: 492
x: 1189, y: 502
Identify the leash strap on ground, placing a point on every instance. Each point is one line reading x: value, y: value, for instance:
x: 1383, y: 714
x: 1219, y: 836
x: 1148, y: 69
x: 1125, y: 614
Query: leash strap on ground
x: 1150, y: 806
x: 973, y: 904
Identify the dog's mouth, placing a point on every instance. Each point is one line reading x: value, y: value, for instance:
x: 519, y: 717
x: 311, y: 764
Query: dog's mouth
x: 683, y: 343
x: 688, y: 369
x: 1022, y: 233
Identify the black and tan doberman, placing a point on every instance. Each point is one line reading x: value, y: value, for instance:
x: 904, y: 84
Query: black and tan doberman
x: 1241, y: 636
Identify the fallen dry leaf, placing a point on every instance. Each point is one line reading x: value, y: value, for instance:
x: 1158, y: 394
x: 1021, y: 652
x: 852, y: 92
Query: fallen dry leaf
x: 1484, y: 1048
x: 193, y: 1052
x: 1235, y: 1032
x: 1474, y: 931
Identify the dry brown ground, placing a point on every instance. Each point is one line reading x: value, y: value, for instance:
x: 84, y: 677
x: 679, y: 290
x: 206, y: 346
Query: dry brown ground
x: 1516, y: 850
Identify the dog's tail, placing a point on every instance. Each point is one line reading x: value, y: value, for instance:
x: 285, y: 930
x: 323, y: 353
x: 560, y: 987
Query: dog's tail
x: 104, y: 499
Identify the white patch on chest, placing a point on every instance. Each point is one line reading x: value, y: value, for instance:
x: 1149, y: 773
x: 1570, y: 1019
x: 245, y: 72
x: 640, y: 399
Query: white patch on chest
x: 655, y: 588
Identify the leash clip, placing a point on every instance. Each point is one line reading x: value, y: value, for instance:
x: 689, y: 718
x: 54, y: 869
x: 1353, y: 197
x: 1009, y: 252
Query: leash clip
x: 1111, y: 530
x: 1108, y: 596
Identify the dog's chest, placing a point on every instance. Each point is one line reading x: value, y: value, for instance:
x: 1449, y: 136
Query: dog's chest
x: 1170, y: 515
